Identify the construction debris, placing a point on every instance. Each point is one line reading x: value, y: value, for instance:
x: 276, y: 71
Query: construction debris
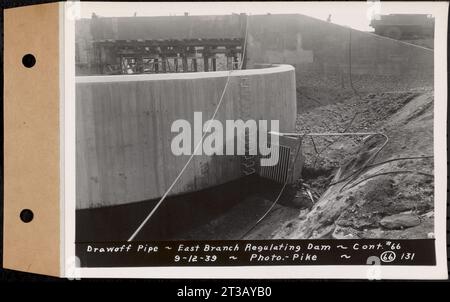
x: 372, y: 206
x: 397, y: 205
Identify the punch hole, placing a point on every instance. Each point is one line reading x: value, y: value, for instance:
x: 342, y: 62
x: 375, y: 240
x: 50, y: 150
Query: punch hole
x: 26, y: 215
x: 28, y: 60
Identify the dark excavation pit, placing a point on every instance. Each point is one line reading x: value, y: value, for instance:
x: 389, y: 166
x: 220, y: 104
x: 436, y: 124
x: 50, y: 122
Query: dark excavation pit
x: 314, y: 181
x: 312, y: 173
x: 176, y: 215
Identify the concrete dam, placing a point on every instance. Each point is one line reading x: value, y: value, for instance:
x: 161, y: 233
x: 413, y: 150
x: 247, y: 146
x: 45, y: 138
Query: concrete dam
x: 124, y: 128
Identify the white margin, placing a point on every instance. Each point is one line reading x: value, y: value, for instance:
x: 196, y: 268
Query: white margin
x: 68, y: 25
x: 440, y: 136
x: 62, y: 211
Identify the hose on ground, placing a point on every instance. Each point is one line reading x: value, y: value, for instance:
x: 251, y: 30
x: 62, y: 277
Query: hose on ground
x: 390, y: 172
x: 273, y: 204
x: 266, y: 213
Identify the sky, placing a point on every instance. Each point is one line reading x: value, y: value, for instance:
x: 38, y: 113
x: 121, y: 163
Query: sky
x: 353, y: 14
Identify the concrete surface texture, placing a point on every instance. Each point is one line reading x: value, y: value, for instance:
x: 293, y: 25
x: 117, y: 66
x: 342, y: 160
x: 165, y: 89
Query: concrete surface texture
x: 124, y: 129
x: 332, y: 61
x: 323, y: 47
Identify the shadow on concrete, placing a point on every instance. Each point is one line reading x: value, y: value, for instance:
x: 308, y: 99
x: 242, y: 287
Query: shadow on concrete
x: 176, y: 215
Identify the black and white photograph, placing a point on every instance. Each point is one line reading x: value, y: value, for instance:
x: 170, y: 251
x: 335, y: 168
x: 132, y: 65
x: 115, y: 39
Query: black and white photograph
x: 257, y: 134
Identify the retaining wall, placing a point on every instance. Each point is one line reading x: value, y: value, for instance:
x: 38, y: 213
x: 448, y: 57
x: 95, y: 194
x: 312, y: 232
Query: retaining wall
x: 329, y: 58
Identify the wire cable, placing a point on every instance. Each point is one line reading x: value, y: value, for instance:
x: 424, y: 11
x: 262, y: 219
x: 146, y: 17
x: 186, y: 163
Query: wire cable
x: 267, y: 212
x: 158, y: 204
x: 356, y: 173
x: 144, y: 222
x: 399, y: 158
x: 390, y: 172
x: 377, y: 164
x: 334, y: 142
x: 350, y: 64
x: 244, y: 48
x: 325, y: 133
x: 274, y: 202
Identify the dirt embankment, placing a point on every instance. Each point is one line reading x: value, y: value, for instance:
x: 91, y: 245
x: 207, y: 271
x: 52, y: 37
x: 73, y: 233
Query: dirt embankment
x: 392, y: 199
x: 364, y: 192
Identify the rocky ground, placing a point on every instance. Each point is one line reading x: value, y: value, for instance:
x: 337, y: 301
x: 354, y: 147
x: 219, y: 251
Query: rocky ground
x: 390, y: 200
x: 350, y: 187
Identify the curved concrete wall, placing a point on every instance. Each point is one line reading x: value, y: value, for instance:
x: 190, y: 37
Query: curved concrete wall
x: 124, y: 129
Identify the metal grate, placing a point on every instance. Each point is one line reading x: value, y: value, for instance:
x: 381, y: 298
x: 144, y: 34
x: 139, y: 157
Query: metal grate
x: 288, y: 167
x: 280, y: 171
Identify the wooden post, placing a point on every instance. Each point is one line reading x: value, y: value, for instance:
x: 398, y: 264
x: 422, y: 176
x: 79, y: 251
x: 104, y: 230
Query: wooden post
x: 156, y: 62
x: 205, y: 59
x: 140, y: 64
x: 194, y: 62
x: 206, y: 63
x: 164, y: 64
x: 229, y: 64
x: 213, y: 61
x: 98, y: 60
x: 185, y: 63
